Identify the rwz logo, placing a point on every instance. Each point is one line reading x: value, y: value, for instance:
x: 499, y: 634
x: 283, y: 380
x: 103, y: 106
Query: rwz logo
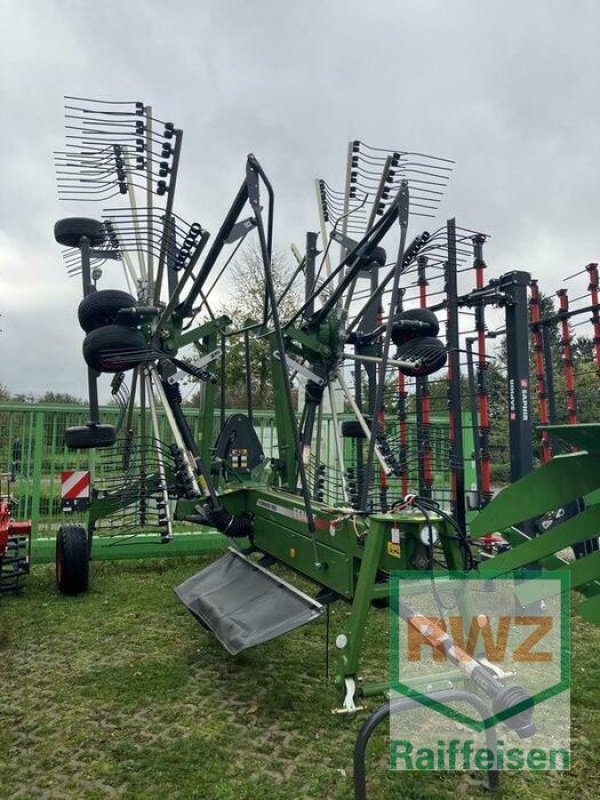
x: 482, y: 634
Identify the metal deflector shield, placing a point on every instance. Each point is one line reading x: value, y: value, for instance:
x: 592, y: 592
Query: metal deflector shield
x: 243, y: 604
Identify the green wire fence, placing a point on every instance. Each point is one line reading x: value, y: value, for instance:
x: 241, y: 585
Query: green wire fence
x: 32, y: 450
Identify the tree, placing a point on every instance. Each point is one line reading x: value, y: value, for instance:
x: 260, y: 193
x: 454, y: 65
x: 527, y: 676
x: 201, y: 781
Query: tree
x: 60, y: 398
x: 57, y: 398
x: 24, y: 397
x: 583, y: 349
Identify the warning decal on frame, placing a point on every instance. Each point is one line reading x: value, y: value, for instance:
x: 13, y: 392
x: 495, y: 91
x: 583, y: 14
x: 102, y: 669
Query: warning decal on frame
x: 74, y: 489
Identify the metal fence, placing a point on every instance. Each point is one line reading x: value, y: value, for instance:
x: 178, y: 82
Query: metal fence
x: 32, y: 449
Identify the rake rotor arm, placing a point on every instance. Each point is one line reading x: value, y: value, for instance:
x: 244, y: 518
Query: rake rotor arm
x: 216, y: 514
x: 185, y: 309
x: 355, y: 260
x: 410, y: 253
x: 360, y: 257
x: 254, y: 172
x: 162, y: 258
x: 184, y: 278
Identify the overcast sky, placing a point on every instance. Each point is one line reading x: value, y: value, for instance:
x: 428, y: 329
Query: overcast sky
x: 510, y: 90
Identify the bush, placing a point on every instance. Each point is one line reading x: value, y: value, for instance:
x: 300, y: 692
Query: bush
x: 500, y: 473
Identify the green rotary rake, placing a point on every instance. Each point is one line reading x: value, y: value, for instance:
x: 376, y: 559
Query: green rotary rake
x: 332, y: 504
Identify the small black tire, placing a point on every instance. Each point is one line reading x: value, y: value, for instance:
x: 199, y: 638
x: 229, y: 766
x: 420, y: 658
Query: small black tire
x: 116, y: 348
x: 352, y: 429
x: 428, y: 355
x: 90, y: 436
x: 414, y: 324
x: 70, y: 231
x: 72, y: 560
x: 101, y: 308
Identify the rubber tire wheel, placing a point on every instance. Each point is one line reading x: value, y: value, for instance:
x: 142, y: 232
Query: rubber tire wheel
x: 71, y: 230
x: 352, y: 429
x: 72, y: 559
x: 424, y: 315
x: 433, y: 359
x: 101, y: 308
x: 115, y: 348
x: 87, y: 437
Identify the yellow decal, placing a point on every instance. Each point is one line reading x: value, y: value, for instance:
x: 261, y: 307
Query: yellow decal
x: 239, y: 459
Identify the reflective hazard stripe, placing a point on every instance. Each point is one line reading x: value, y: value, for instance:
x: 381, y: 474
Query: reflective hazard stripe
x: 75, y: 484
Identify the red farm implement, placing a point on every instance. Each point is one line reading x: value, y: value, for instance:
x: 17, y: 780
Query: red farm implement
x: 15, y: 544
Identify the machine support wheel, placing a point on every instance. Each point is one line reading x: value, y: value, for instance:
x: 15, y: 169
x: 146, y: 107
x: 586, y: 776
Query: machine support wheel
x: 115, y: 348
x: 102, y: 308
x: 72, y: 559
x: 70, y: 231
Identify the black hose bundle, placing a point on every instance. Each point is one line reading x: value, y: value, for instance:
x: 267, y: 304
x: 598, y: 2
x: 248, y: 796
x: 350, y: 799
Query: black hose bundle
x: 227, y: 523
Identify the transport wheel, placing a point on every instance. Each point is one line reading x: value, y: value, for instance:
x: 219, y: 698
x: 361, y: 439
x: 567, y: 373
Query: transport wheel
x: 413, y: 324
x: 72, y: 559
x: 427, y: 354
x: 352, y: 429
x: 86, y: 437
x: 115, y: 348
x: 101, y: 308
x: 70, y: 231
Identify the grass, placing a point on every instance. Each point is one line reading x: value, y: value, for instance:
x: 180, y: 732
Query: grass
x: 120, y: 694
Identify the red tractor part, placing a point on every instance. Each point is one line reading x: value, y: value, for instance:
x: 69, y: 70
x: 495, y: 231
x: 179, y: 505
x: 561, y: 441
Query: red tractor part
x: 15, y: 549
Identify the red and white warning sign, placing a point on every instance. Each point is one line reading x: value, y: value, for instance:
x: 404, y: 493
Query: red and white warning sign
x: 74, y: 488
